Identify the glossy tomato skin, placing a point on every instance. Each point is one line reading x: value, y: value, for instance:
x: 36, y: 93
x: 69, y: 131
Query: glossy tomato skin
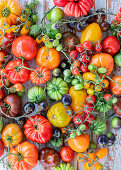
x: 67, y: 154
x: 114, y: 87
x: 24, y: 46
x: 60, y: 3
x: 2, y: 94
x: 49, y: 157
x: 28, y: 154
x: 14, y: 75
x: 38, y: 131
x: 111, y: 45
x: 117, y: 107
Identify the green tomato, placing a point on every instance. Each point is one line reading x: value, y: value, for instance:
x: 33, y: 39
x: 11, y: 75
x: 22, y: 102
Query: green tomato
x: 58, y: 36
x: 75, y: 81
x: 22, y: 92
x: 117, y: 59
x: 67, y: 72
x: 114, y: 33
x: 102, y: 70
x: 114, y: 100
x: 49, y: 44
x: 59, y: 47
x: 82, y: 127
x: 103, y: 108
x: 52, y: 32
x: 1, y: 123
x: 49, y: 15
x: 116, y: 122
x: 36, y: 94
x: 27, y: 11
x: 56, y: 14
x: 34, y: 18
x: 78, y: 86
x: 93, y: 145
x: 64, y: 166
x: 56, y: 142
x: 68, y: 79
x: 56, y: 72
x: 55, y: 42
x: 35, y: 30
x: 91, y: 67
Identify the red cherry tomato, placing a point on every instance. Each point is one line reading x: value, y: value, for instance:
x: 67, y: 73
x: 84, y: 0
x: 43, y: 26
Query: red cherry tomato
x: 88, y: 108
x: 77, y: 119
x: 79, y: 48
x: 118, y: 17
x: 107, y: 97
x: 91, y: 99
x: 75, y: 71
x: 1, y: 148
x: 67, y: 154
x: 87, y: 45
x: 85, y: 58
x: 115, y: 22
x: 2, y: 94
x: 87, y: 126
x: 98, y: 47
x: 73, y: 54
x: 89, y: 118
x: 84, y: 68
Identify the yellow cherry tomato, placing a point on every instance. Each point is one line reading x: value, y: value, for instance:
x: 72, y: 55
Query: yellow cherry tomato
x: 90, y: 91
x: 24, y: 31
x: 89, y: 76
x: 45, y: 39
x: 98, y: 88
x: 14, y: 28
x: 23, y: 18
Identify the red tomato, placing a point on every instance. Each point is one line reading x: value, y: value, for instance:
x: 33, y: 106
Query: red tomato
x: 91, y: 99
x: 73, y: 54
x: 84, y: 68
x: 24, y: 46
x: 77, y: 119
x: 107, y: 97
x: 2, y: 94
x: 1, y: 148
x: 85, y: 58
x: 38, y: 129
x: 87, y: 126
x: 15, y: 74
x: 118, y: 17
x: 60, y: 3
x: 79, y: 48
x: 7, y: 41
x: 89, y: 118
x: 87, y: 45
x: 75, y: 71
x: 115, y: 22
x: 67, y: 154
x: 98, y: 47
x: 88, y: 108
x: 111, y: 45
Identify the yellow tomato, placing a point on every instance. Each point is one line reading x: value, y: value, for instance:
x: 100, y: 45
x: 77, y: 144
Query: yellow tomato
x: 90, y: 91
x: 89, y: 76
x: 59, y: 116
x: 98, y: 88
x: 24, y: 31
x: 91, y: 33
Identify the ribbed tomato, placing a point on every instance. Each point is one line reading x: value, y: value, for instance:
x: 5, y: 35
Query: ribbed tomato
x: 38, y: 129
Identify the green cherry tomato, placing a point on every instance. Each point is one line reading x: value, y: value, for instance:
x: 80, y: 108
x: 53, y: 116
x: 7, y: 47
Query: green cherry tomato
x: 78, y: 86
x: 52, y: 32
x: 74, y: 82
x: 34, y: 18
x: 91, y: 67
x: 102, y: 70
x: 59, y: 47
x: 56, y: 72
x: 114, y: 33
x: 67, y: 72
x: 117, y: 59
x: 49, y: 44
x: 82, y: 127
x: 27, y: 11
x: 56, y: 14
x: 58, y: 36
x: 93, y: 145
x: 116, y: 123
x: 55, y: 43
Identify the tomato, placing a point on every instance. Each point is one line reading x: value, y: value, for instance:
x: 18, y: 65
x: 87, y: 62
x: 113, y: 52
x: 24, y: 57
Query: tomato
x: 101, y: 153
x: 11, y: 134
x: 78, y: 100
x: 89, y: 76
x: 89, y: 118
x: 98, y: 88
x: 104, y: 83
x: 111, y: 45
x: 60, y: 3
x: 7, y: 41
x: 39, y: 40
x: 88, y: 108
x: 23, y: 17
x: 59, y: 116
x: 91, y: 99
x: 84, y: 68
x: 11, y: 105
x: 77, y: 119
x: 80, y: 48
x: 103, y: 60
x: 86, y: 85
x: 23, y: 157
x: 49, y: 157
x: 76, y: 63
x: 1, y: 148
x: 117, y: 59
x: 2, y: 94
x: 67, y: 154
x: 18, y: 87
x: 117, y: 106
x: 90, y: 91
x: 107, y: 97
x: 16, y: 74
x: 41, y: 76
x: 75, y: 71
x: 118, y: 17
x: 38, y: 129
x: 80, y: 143
x: 49, y: 58
x: 2, y: 57
x: 80, y: 157
x: 115, y: 87
x: 24, y: 30
x: 56, y: 14
x: 98, y: 47
x: 88, y: 165
x: 87, y: 45
x: 98, y: 166
x: 115, y: 22
x: 87, y: 126
x: 85, y: 58
x: 24, y: 46
x: 91, y: 156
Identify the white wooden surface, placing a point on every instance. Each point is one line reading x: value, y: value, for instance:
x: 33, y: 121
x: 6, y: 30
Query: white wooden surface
x: 113, y: 160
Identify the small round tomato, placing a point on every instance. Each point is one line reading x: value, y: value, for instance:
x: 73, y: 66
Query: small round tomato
x: 87, y: 126
x: 75, y: 71
x: 88, y: 108
x: 84, y: 68
x: 39, y: 40
x: 77, y: 119
x: 88, y: 165
x: 89, y: 118
x: 115, y: 22
x: 90, y: 91
x: 73, y: 54
x: 107, y: 97
x: 118, y: 17
x: 67, y: 154
x: 104, y: 83
x: 80, y: 157
x: 91, y: 99
x: 18, y: 87
x: 85, y: 58
x: 98, y: 47
x: 80, y: 48
x: 2, y: 57
x: 2, y: 94
x: 87, y: 45
x: 76, y: 63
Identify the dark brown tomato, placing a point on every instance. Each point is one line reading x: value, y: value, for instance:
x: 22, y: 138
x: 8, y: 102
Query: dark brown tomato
x: 117, y: 106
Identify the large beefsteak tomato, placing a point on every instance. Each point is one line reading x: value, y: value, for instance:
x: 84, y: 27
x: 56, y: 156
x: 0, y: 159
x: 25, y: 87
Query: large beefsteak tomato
x: 23, y: 157
x: 38, y: 129
x: 24, y: 46
x: 114, y: 86
x: 15, y: 73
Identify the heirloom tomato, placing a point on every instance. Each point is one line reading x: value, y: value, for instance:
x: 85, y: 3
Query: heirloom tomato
x: 24, y: 46
x: 114, y: 86
x: 67, y: 154
x: 60, y: 3
x: 59, y: 116
x: 2, y: 94
x: 49, y: 157
x: 49, y: 58
x: 78, y: 100
x: 64, y: 166
x: 117, y: 59
x: 23, y: 157
x: 103, y: 60
x: 38, y: 129
x: 11, y: 135
x: 80, y: 143
x: 15, y: 73
x: 117, y: 106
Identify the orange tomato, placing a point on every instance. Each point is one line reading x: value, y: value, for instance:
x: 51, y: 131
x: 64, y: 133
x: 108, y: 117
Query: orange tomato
x: 18, y: 87
x: 114, y: 87
x: 49, y: 58
x: 45, y: 39
x: 98, y: 166
x: 39, y: 40
x: 92, y: 86
x: 88, y: 165
x: 2, y: 57
x: 80, y: 143
x: 76, y: 63
x: 101, y: 153
x: 92, y: 156
x: 24, y: 30
x: 89, y: 76
x: 23, y: 18
x: 103, y: 60
x: 104, y: 83
x: 86, y: 85
x: 98, y: 88
x: 14, y: 28
x: 80, y: 157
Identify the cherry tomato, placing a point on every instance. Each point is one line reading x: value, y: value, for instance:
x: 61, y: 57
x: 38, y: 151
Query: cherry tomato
x: 84, y: 68
x: 89, y: 118
x: 77, y: 119
x: 73, y: 54
x: 80, y: 48
x: 90, y: 91
x: 98, y: 47
x: 2, y: 94
x: 88, y: 108
x: 115, y: 22
x: 107, y: 97
x: 2, y: 57
x: 91, y: 99
x: 75, y: 71
x: 87, y: 45
x: 87, y: 126
x: 85, y: 58
x: 67, y: 154
x: 76, y: 63
x: 118, y: 17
